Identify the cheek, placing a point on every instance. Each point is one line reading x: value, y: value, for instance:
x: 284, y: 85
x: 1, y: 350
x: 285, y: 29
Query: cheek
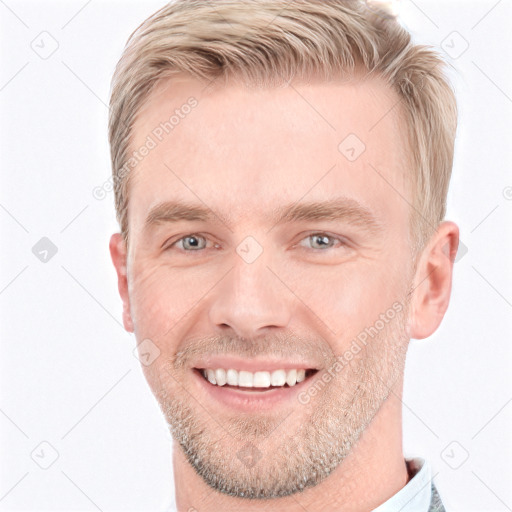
x: 161, y: 296
x: 344, y: 301
x: 152, y: 300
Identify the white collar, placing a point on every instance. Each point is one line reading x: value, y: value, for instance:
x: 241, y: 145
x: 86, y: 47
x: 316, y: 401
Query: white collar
x: 417, y: 493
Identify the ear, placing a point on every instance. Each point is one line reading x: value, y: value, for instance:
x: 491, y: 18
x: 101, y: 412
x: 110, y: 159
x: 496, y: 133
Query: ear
x: 118, y: 253
x: 433, y: 281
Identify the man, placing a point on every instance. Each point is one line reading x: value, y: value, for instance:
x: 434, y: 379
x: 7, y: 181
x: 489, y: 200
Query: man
x: 281, y: 171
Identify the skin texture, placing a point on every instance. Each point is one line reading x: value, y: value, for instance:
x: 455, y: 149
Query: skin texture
x: 244, y: 153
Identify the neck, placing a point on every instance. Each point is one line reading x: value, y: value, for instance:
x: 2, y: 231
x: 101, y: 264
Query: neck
x: 372, y: 473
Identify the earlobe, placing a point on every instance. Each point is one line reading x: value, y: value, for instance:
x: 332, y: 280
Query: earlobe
x: 433, y: 281
x: 118, y: 254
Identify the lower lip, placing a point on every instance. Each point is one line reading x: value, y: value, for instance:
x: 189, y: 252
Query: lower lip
x: 249, y: 400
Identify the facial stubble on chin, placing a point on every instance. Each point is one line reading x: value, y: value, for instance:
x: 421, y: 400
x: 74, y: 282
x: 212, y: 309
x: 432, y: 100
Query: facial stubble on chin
x: 290, y: 455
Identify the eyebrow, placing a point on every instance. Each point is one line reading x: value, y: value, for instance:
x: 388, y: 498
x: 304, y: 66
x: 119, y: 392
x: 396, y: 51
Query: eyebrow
x: 337, y: 209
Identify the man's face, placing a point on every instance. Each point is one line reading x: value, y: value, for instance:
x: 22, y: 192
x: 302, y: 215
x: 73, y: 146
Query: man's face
x: 250, y: 289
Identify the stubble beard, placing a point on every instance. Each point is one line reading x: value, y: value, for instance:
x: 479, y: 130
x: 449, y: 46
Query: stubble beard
x: 290, y: 458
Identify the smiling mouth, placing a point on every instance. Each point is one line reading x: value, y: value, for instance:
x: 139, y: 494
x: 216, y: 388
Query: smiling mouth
x: 255, y: 381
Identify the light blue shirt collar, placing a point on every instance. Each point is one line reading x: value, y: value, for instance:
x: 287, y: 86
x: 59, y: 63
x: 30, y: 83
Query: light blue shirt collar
x: 414, y: 497
x: 417, y: 493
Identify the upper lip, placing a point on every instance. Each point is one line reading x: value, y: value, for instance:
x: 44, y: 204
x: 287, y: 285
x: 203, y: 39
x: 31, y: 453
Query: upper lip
x: 251, y: 365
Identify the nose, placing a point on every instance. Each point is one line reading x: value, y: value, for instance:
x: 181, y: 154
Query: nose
x: 250, y: 300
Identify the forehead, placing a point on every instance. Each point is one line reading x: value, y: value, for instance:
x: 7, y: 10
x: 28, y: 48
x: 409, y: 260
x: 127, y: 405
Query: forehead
x: 240, y: 150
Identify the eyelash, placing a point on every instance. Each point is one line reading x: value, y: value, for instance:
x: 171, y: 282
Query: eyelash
x: 341, y: 241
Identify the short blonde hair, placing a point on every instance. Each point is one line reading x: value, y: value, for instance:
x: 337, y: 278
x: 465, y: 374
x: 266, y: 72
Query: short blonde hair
x: 269, y: 42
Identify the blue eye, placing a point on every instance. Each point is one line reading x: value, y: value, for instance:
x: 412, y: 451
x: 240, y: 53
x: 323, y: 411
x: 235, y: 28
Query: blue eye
x: 318, y: 242
x: 323, y: 241
x: 192, y: 242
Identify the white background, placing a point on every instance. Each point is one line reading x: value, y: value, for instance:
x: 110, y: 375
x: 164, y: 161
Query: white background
x: 68, y: 376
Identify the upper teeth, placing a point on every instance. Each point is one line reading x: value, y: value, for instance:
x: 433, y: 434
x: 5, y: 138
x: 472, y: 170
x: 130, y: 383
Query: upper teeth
x: 261, y: 379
